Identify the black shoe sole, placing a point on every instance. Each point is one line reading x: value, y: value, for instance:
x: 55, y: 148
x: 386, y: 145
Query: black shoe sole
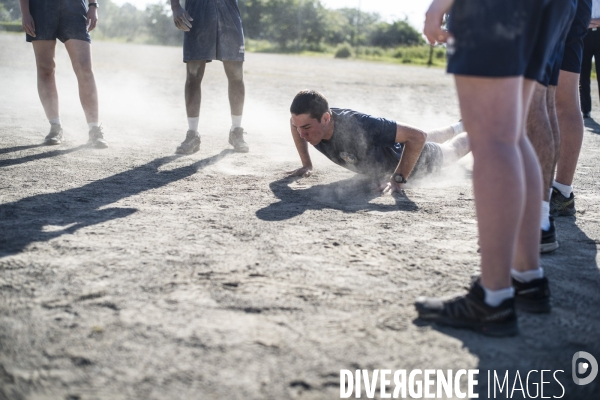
x: 52, y: 142
x: 195, y: 149
x: 540, y: 306
x: 240, y: 150
x: 569, y: 212
x: 548, y: 247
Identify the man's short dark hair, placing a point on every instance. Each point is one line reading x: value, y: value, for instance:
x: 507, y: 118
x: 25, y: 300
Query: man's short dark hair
x: 310, y: 102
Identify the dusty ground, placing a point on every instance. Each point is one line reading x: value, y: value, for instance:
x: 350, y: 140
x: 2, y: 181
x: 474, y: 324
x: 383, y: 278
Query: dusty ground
x: 130, y: 273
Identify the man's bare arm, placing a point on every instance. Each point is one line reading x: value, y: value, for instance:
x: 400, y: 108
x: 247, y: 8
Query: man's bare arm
x: 27, y: 19
x: 414, y: 141
x: 183, y: 20
x: 302, y: 147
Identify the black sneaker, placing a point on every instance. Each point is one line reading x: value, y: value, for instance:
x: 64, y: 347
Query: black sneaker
x: 236, y: 139
x: 586, y: 115
x: 532, y: 297
x: 549, y: 242
x: 190, y: 145
x: 96, y: 138
x: 471, y: 312
x: 55, y: 136
x: 561, y: 206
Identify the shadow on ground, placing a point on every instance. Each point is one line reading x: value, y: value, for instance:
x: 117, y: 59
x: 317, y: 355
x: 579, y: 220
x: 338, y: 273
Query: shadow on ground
x: 348, y: 195
x: 23, y: 222
x: 546, y: 342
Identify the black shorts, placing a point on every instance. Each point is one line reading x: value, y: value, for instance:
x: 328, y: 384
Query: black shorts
x: 216, y: 32
x: 573, y: 54
x: 59, y: 19
x: 430, y: 161
x: 499, y: 38
x: 558, y: 19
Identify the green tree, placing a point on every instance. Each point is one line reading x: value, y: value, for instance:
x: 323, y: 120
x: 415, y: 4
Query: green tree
x: 400, y: 33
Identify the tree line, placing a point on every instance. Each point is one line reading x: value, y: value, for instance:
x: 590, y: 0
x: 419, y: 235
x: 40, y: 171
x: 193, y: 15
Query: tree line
x: 288, y: 25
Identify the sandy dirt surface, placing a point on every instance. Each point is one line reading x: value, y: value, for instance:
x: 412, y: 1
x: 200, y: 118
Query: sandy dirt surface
x: 130, y: 273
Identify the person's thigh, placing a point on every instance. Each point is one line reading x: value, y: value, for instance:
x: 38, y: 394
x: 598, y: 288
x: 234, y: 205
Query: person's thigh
x: 230, y: 34
x: 46, y: 17
x: 44, y: 51
x: 487, y: 39
x: 200, y: 43
x: 80, y: 52
x: 73, y: 21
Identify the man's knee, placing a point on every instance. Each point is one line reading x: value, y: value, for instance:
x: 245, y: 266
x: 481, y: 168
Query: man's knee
x: 234, y: 71
x: 195, y: 71
x: 46, y: 70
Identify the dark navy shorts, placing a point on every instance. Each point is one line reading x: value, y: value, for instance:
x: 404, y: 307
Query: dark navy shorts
x: 216, y: 33
x: 573, y: 54
x: 558, y: 18
x: 59, y: 19
x: 499, y: 38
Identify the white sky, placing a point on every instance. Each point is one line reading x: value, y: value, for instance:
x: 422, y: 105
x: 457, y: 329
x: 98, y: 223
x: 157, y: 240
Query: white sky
x: 389, y: 9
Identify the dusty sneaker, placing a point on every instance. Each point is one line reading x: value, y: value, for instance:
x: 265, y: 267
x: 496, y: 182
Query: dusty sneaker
x: 96, y: 138
x: 561, y: 206
x: 471, y: 312
x: 236, y: 139
x: 549, y: 242
x: 190, y: 145
x: 532, y: 297
x: 55, y: 136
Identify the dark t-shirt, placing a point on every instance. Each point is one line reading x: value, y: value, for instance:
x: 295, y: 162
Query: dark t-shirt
x: 362, y: 143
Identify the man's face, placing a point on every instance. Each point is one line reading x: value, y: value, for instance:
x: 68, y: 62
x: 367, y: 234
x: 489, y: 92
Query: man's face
x: 310, y: 129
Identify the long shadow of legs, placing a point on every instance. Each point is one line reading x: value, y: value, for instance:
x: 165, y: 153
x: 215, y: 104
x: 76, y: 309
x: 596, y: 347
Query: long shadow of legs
x: 348, y: 195
x: 19, y: 148
x: 24, y: 221
x: 39, y: 156
x: 547, y: 342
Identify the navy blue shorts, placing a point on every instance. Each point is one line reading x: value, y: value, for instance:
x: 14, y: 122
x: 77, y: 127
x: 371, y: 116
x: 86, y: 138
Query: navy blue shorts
x: 573, y: 54
x: 59, y: 19
x: 499, y: 38
x: 558, y: 19
x: 216, y: 33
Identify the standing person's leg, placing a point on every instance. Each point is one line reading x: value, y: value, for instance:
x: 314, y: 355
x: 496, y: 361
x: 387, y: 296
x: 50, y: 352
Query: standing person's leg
x: 80, y: 53
x: 193, y: 96
x: 237, y: 93
x: 584, y: 78
x: 596, y: 53
x: 44, y: 51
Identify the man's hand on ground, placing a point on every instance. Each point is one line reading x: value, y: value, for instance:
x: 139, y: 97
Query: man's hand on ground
x: 183, y: 20
x: 434, y: 19
x: 92, y: 18
x: 303, y: 172
x: 28, y: 25
x: 390, y: 187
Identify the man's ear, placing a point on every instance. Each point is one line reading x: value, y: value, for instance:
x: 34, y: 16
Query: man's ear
x: 326, y: 118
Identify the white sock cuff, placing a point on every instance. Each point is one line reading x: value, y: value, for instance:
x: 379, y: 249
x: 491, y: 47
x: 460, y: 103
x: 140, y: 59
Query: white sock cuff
x: 545, y: 223
x: 193, y: 124
x: 93, y: 124
x: 495, y: 297
x: 236, y: 121
x: 55, y: 121
x: 458, y: 128
x: 527, y: 276
x: 566, y: 190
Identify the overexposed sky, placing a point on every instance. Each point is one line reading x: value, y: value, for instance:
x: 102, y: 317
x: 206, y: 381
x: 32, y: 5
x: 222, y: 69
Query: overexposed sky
x: 389, y: 9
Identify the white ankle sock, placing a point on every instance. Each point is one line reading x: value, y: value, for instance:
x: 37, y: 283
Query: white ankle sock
x: 545, y: 225
x: 236, y: 121
x: 193, y: 124
x: 566, y: 190
x: 458, y: 128
x: 495, y: 297
x: 55, y: 121
x: 93, y: 124
x: 527, y: 276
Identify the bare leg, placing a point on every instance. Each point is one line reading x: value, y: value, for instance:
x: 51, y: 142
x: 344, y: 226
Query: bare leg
x: 493, y: 115
x: 539, y: 132
x: 237, y: 90
x: 193, y: 93
x: 80, y: 53
x: 455, y: 149
x: 44, y: 51
x: 441, y: 135
x: 571, y: 126
x: 551, y: 99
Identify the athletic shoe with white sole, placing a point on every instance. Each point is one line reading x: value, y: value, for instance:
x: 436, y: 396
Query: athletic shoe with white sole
x: 549, y: 242
x: 471, y: 312
x: 561, y: 206
x: 236, y: 139
x: 55, y: 136
x: 532, y: 297
x: 190, y: 145
x: 96, y: 138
